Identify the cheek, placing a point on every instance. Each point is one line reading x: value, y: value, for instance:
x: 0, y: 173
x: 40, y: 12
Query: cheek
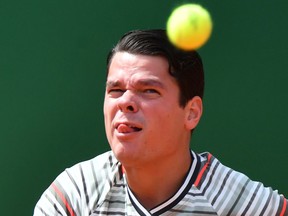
x: 108, y: 112
x: 167, y: 120
x: 157, y: 120
x: 107, y: 127
x: 109, y: 108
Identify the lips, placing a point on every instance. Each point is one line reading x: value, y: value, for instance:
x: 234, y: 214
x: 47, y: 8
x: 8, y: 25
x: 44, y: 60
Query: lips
x: 127, y: 128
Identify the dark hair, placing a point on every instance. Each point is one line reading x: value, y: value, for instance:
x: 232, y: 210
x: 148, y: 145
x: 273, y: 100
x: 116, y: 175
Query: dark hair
x: 185, y: 66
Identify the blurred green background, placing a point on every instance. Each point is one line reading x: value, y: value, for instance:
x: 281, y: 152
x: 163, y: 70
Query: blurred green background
x: 52, y: 76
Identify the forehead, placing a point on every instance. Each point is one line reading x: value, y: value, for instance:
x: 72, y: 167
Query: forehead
x: 124, y: 64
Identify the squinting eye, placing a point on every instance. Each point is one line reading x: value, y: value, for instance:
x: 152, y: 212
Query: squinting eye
x: 115, y: 92
x: 151, y: 91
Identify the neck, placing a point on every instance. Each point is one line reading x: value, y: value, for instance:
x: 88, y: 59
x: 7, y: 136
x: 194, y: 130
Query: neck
x: 155, y: 183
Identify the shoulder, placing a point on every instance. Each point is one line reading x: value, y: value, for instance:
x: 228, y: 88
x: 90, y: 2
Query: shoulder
x: 98, y: 167
x: 231, y: 192
x: 105, y: 161
x: 83, y: 176
x: 81, y: 186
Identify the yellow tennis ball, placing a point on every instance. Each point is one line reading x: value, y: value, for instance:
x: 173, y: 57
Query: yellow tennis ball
x: 189, y: 26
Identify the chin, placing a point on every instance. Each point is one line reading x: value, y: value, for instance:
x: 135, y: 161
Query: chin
x: 119, y: 151
x: 125, y: 156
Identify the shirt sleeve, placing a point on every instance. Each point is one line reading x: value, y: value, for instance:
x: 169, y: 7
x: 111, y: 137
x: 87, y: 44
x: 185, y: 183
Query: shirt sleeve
x: 60, y: 198
x: 79, y: 189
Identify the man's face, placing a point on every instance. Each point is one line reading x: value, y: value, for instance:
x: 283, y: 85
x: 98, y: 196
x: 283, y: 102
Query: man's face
x: 143, y: 120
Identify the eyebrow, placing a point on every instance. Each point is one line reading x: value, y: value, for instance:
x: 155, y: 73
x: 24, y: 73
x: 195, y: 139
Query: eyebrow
x: 141, y: 82
x: 150, y: 82
x: 111, y: 84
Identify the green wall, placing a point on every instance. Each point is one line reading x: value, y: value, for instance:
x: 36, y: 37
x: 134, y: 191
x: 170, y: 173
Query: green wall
x: 52, y: 74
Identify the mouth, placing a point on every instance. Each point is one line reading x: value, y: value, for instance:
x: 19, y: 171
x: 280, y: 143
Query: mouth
x: 127, y: 128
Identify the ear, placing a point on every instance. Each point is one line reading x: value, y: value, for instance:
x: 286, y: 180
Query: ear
x: 194, y: 109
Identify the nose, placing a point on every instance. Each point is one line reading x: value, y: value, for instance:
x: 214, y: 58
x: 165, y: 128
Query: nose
x: 127, y: 102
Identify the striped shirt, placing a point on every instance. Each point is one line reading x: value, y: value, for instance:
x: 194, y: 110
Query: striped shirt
x: 98, y: 187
